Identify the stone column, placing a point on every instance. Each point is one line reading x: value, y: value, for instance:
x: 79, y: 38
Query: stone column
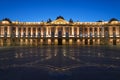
x: 41, y: 31
x: 64, y: 31
x: 9, y: 31
x: 21, y: 31
x: 98, y: 31
x: 56, y: 31
x: 36, y: 31
x: 31, y: 31
x: 72, y: 30
x: 110, y: 31
x: 16, y: 31
x: 46, y: 30
x: 50, y: 31
x: 93, y: 32
x: 88, y: 31
x: 26, y: 31
x: 2, y: 31
x: 117, y: 31
x: 103, y: 31
x: 77, y: 31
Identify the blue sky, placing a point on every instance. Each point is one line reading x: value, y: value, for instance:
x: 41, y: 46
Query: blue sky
x: 38, y: 10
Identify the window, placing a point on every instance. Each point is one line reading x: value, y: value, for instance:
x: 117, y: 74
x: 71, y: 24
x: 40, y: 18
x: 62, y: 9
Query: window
x: 29, y: 29
x: 19, y: 29
x: 67, y: 28
x: 5, y: 28
x: 67, y: 34
x: 106, y: 28
x: 24, y: 29
x: 60, y: 34
x: 52, y: 34
x: 5, y: 34
x: 33, y: 34
x: 39, y: 29
x: 113, y: 28
x: 90, y: 34
x: 39, y: 34
x: 100, y: 29
x: 29, y: 34
x: 95, y: 29
x: 85, y: 29
x: 100, y: 34
x: 80, y: 34
x: 13, y: 28
x: 13, y: 34
x: 19, y: 34
x: 75, y: 34
x: 34, y: 30
x: 24, y: 34
x: 80, y: 29
x: 44, y: 34
x: 114, y: 34
x: 106, y: 34
x: 95, y: 34
x: 90, y: 29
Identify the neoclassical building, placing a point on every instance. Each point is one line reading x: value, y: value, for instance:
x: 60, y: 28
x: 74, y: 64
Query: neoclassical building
x: 59, y: 32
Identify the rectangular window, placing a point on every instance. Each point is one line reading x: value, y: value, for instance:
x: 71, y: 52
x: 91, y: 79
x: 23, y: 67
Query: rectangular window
x: 95, y: 29
x: 29, y: 29
x: 19, y: 29
x: 33, y: 34
x: 106, y: 28
x: 52, y: 34
x: 113, y: 28
x: 85, y: 29
x: 39, y: 29
x: 90, y: 29
x: 5, y: 28
x: 67, y: 34
x: 24, y: 29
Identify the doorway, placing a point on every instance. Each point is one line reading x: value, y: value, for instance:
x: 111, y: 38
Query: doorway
x: 91, y: 42
x: 114, y: 42
x: 59, y: 37
x: 86, y: 41
x: 59, y: 41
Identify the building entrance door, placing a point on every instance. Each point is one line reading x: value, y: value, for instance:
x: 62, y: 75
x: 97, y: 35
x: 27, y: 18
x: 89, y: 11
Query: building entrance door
x: 59, y: 37
x: 86, y: 41
x: 114, y: 42
x: 91, y: 42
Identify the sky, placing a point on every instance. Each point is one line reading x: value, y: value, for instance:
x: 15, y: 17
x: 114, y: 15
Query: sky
x: 42, y: 10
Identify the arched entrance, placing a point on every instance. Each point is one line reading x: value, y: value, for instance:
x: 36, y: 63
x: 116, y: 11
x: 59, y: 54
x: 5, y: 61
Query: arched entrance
x: 114, y: 41
x: 86, y: 41
x: 91, y: 42
x: 60, y: 37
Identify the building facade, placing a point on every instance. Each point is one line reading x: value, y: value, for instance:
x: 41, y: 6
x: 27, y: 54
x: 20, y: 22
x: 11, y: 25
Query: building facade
x: 59, y: 32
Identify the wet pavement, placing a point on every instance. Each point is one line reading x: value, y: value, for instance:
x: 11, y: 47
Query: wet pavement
x: 60, y: 63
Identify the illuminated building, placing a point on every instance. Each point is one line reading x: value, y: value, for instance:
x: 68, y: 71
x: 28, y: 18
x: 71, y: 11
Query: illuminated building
x: 59, y: 32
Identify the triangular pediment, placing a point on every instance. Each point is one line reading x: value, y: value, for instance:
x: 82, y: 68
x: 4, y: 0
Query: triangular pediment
x: 60, y: 21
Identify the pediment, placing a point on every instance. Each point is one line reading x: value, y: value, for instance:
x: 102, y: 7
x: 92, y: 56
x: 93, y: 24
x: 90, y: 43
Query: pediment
x: 60, y: 21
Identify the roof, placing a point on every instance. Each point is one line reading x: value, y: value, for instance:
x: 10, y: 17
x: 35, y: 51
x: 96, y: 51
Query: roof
x: 113, y: 19
x: 7, y: 19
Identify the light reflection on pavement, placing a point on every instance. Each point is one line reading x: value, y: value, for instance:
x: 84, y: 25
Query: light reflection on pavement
x: 60, y: 58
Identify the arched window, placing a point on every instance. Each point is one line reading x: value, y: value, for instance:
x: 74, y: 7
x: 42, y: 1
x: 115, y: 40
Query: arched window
x: 67, y: 34
x: 29, y: 34
x: 114, y: 34
x: 34, y: 34
x: 52, y: 34
x: 91, y: 34
x: 39, y: 35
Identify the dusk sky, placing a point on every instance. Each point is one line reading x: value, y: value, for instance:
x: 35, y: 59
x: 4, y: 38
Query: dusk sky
x: 38, y: 10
